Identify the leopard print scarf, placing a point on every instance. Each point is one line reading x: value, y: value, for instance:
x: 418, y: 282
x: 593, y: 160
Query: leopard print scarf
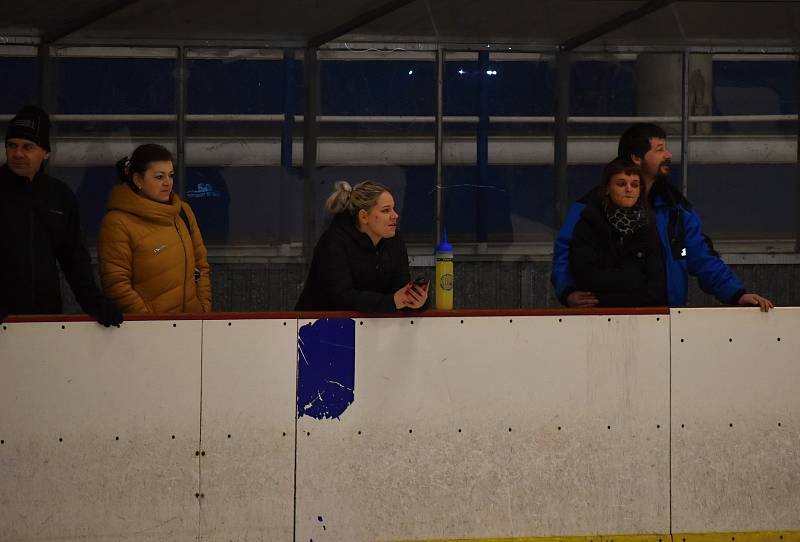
x: 626, y: 221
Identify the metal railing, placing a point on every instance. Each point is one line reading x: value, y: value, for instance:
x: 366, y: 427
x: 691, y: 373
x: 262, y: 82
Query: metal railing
x: 409, y: 119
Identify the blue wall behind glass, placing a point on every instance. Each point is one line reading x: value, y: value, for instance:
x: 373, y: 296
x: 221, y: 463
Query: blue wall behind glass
x: 20, y: 83
x: 602, y: 88
x: 377, y: 88
x: 729, y: 198
x: 526, y: 88
x: 767, y: 87
x: 239, y: 86
x: 98, y: 85
x: 526, y: 191
x: 521, y: 88
x: 258, y: 197
x: 417, y: 205
x: 105, y: 86
x: 515, y: 88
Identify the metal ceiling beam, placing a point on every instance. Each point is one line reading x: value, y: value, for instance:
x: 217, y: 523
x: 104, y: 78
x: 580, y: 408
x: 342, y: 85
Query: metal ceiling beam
x: 615, y: 23
x: 90, y: 17
x: 420, y: 47
x: 356, y: 22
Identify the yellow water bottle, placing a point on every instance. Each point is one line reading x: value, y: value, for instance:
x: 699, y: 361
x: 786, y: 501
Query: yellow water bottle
x: 444, y: 275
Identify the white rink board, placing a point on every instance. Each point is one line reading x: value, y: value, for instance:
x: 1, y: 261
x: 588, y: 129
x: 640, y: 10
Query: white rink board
x: 115, y: 398
x: 459, y: 431
x: 247, y: 480
x: 734, y: 468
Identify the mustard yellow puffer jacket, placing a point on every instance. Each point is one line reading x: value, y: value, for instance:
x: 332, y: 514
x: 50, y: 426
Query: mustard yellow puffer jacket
x: 148, y: 256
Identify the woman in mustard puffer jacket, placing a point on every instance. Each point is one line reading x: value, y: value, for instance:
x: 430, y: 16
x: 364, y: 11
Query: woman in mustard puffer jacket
x: 152, y: 256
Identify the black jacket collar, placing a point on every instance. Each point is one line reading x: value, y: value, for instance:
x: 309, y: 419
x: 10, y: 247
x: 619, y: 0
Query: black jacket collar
x: 663, y: 193
x: 344, y: 223
x: 11, y: 182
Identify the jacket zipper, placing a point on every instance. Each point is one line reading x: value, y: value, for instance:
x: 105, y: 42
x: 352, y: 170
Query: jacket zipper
x: 31, y: 224
x: 185, y: 262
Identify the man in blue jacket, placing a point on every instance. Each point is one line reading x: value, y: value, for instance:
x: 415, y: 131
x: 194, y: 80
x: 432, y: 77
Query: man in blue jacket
x: 685, y: 248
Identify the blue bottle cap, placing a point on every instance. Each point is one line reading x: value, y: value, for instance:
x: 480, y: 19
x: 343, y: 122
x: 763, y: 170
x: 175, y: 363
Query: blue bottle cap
x: 444, y: 246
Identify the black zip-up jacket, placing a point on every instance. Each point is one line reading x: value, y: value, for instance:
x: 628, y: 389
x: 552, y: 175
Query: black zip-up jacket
x: 620, y: 271
x: 349, y: 273
x: 40, y: 232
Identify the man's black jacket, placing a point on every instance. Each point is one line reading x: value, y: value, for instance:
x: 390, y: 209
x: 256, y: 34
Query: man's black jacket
x: 40, y: 232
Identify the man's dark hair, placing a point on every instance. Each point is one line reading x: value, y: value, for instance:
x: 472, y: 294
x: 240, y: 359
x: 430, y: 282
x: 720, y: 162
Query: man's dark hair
x: 636, y: 140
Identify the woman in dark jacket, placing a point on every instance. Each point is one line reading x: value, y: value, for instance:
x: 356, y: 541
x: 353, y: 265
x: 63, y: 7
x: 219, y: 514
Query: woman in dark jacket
x: 615, y: 251
x: 360, y: 263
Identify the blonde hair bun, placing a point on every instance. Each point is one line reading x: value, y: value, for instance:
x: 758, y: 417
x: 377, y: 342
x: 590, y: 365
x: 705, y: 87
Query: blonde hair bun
x: 338, y: 201
x: 352, y: 199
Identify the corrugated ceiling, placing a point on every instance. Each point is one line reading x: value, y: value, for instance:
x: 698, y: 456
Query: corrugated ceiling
x: 530, y: 23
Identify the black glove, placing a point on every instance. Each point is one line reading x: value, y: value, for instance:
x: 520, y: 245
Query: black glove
x: 107, y: 314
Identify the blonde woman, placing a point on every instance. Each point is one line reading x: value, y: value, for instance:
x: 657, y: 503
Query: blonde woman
x: 360, y: 263
x: 152, y: 255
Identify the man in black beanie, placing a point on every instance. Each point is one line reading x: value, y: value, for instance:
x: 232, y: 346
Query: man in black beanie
x: 40, y: 230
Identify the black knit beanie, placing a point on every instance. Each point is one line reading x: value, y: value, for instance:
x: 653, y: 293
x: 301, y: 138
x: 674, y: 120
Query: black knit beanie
x: 32, y: 124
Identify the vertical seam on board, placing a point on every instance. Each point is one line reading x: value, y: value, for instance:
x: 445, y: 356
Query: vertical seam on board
x: 296, y: 418
x: 669, y: 457
x: 200, y: 442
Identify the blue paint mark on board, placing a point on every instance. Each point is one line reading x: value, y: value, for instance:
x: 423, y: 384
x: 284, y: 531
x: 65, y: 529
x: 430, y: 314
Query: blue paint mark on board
x: 326, y: 358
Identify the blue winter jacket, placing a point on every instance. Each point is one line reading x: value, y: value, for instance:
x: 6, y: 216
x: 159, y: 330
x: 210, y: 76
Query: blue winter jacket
x: 686, y: 250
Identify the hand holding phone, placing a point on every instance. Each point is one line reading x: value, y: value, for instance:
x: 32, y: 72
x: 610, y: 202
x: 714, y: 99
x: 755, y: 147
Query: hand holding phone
x: 416, y: 291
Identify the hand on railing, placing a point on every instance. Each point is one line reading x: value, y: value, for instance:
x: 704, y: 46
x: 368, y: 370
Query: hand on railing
x: 582, y: 299
x: 107, y: 314
x: 755, y: 299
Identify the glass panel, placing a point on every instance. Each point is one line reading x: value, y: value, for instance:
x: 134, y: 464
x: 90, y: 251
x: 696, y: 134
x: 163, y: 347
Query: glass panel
x: 115, y: 85
x: 237, y: 85
x: 747, y: 148
x: 97, y: 90
x: 250, y: 204
x: 745, y: 201
x: 23, y: 88
x: 610, y: 93
x: 394, y: 86
x: 603, y: 87
x: 358, y: 90
x: 498, y: 184
x: 750, y: 85
x: 241, y: 186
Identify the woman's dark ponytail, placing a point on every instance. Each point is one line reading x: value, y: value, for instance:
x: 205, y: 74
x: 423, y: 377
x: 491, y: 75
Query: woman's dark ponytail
x: 123, y: 169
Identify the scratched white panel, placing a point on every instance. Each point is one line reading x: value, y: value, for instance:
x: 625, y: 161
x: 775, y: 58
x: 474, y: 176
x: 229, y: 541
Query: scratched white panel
x: 735, y: 419
x: 99, y: 429
x: 247, y: 470
x: 493, y: 428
